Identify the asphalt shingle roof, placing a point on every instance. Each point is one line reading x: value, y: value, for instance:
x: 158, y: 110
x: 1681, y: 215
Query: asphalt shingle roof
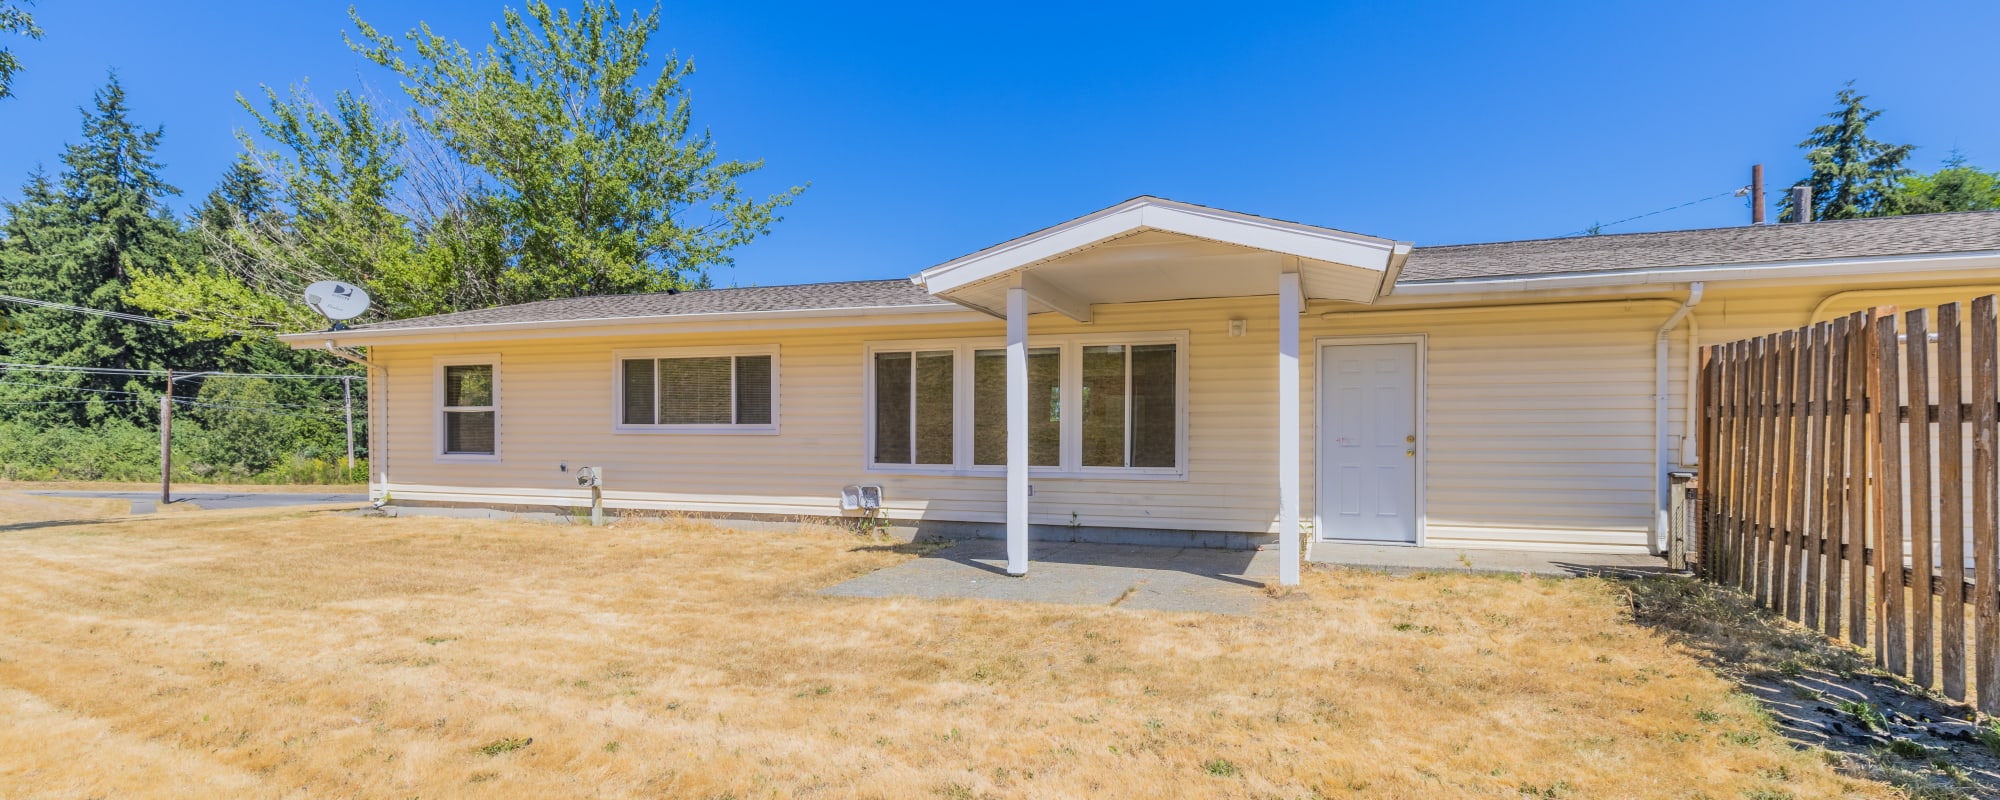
x: 1882, y: 236
x: 802, y: 297
x: 1879, y: 236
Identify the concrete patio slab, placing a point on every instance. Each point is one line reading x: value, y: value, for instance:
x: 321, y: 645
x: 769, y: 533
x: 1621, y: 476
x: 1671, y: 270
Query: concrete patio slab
x: 1403, y: 560
x: 1127, y: 576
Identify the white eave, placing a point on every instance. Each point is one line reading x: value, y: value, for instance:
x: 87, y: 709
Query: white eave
x: 1149, y: 249
x: 636, y: 325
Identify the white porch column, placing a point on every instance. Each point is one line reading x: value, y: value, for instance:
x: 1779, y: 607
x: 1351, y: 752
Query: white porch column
x: 1017, y: 431
x: 1288, y: 429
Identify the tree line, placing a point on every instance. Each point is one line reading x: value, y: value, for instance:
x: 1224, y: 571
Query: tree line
x: 558, y: 160
x: 1852, y: 175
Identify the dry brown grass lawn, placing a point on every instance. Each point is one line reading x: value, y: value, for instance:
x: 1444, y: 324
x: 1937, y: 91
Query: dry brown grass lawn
x: 300, y: 654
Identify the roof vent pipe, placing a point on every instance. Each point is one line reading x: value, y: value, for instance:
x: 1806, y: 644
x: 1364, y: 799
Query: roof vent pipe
x: 1802, y: 203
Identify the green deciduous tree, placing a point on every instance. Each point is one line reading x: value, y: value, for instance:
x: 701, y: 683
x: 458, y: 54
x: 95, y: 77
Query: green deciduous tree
x: 553, y: 163
x: 1957, y: 186
x: 600, y: 180
x: 78, y: 240
x: 1852, y: 174
x: 14, y: 19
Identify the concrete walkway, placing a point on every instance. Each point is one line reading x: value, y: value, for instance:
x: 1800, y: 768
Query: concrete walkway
x: 148, y: 502
x: 1403, y: 560
x: 1126, y: 576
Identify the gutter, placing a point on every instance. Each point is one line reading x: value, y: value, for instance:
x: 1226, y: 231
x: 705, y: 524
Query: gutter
x: 1677, y: 276
x: 1661, y: 356
x: 363, y: 336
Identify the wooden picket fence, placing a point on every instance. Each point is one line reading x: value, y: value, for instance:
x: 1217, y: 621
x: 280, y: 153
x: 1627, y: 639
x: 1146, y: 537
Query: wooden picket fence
x: 1848, y: 479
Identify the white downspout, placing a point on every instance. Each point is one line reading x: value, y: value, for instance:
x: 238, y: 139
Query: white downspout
x: 1661, y: 356
x: 1690, y: 455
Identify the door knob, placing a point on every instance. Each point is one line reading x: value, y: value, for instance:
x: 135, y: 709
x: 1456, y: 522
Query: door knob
x: 1412, y: 438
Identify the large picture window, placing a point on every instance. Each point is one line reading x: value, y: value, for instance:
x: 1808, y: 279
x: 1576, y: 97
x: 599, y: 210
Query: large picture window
x: 1097, y: 404
x: 697, y: 391
x: 468, y: 408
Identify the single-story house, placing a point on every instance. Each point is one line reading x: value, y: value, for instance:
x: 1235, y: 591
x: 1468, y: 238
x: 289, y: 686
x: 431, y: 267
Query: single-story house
x: 1155, y: 371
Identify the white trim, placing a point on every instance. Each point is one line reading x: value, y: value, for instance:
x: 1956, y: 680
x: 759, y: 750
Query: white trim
x: 618, y: 358
x: 1672, y: 277
x: 1320, y: 344
x: 1069, y: 463
x: 1143, y: 213
x: 438, y: 408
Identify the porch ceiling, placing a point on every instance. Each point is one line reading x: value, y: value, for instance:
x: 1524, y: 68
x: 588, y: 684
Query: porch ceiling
x: 1150, y: 249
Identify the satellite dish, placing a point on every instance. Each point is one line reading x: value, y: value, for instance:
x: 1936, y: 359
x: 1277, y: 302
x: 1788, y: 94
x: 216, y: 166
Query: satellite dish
x: 337, y: 301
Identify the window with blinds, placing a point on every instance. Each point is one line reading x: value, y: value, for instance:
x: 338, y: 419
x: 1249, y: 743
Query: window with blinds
x: 1097, y: 406
x: 468, y: 410
x: 698, y: 392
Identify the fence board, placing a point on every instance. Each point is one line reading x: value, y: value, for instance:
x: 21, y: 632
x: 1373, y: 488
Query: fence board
x: 1856, y: 475
x: 1740, y: 450
x: 1814, y: 504
x: 1951, y: 504
x: 1917, y: 346
x: 1891, y: 624
x: 1835, y: 478
x: 1985, y: 528
x: 1796, y: 401
x: 1777, y: 572
x: 1767, y: 392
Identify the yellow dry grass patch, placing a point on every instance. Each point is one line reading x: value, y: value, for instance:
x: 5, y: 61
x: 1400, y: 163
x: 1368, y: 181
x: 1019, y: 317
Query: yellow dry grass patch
x: 17, y: 509
x: 295, y: 655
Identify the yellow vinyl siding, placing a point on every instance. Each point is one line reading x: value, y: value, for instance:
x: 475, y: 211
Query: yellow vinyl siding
x: 1539, y: 421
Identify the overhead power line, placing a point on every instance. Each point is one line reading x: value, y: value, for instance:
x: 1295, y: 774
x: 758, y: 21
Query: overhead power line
x: 119, y: 315
x: 1603, y: 225
x: 273, y: 407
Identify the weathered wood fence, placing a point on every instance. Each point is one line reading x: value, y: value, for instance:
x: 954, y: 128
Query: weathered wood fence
x: 1848, y: 480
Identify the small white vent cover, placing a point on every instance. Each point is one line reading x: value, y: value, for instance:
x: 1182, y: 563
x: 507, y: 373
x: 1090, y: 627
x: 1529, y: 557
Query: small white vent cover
x: 856, y: 497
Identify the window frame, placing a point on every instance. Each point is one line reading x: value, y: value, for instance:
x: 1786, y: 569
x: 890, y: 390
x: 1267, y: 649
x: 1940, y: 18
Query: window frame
x: 1070, y: 438
x: 619, y: 357
x: 439, y: 409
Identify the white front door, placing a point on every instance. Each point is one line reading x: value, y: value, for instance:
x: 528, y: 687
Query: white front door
x: 1368, y: 448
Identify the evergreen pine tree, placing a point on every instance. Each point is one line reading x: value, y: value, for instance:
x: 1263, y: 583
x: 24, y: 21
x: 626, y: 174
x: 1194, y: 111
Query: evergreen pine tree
x: 244, y: 195
x: 76, y: 241
x: 1852, y: 175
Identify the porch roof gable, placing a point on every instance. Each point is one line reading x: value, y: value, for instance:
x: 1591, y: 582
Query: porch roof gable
x: 1148, y: 249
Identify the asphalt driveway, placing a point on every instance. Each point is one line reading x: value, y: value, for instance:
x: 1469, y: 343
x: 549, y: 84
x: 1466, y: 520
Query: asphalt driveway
x: 148, y: 502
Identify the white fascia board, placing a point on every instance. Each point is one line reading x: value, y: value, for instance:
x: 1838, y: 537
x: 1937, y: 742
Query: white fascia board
x: 1035, y: 247
x: 1288, y: 238
x: 1777, y: 270
x: 663, y: 324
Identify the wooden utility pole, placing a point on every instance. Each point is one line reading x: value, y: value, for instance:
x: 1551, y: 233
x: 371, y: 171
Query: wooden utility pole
x: 347, y: 395
x: 1757, y: 194
x: 167, y: 442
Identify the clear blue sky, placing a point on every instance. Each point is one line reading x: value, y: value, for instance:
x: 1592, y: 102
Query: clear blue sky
x: 934, y: 129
